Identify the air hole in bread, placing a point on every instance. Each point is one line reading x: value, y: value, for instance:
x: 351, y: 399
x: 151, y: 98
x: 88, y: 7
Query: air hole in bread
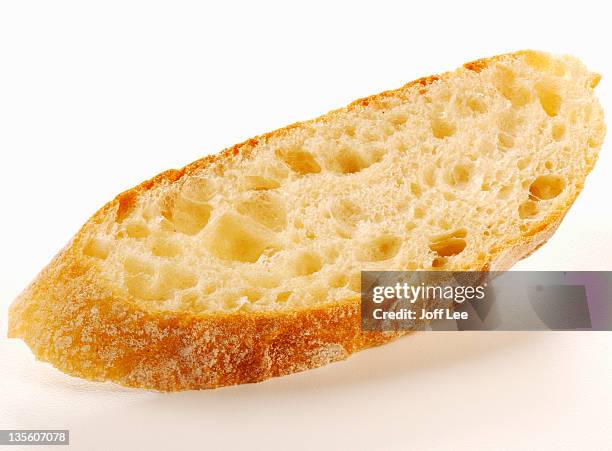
x: 140, y: 286
x: 381, y: 248
x: 442, y: 128
x: 347, y: 161
x: 305, y: 263
x: 265, y: 208
x: 528, y: 209
x: 235, y: 302
x: 172, y: 276
x: 251, y: 294
x: 299, y: 161
x: 338, y: 280
x: 165, y: 247
x: 595, y: 141
x: 459, y: 176
x: 236, y: 237
x: 137, y: 230
x: 448, y: 247
x: 439, y: 262
x: 449, y: 244
x: 283, y: 296
x: 504, y: 192
x: 550, y: 99
x: 505, y: 141
x: 189, y: 300
x: 506, y: 83
x: 418, y: 213
x: 546, y: 187
x: 522, y: 163
x: 558, y: 131
x: 267, y: 176
x: 349, y: 131
x: 186, y: 215
x: 258, y: 182
x: 415, y: 189
x: 398, y: 118
x: 97, y: 248
x: 346, y: 212
x: 477, y: 105
x: 136, y: 265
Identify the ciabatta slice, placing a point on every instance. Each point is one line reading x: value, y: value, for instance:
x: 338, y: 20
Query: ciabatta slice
x: 246, y: 264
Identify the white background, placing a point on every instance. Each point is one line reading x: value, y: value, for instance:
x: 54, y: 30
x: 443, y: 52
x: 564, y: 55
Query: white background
x: 97, y: 96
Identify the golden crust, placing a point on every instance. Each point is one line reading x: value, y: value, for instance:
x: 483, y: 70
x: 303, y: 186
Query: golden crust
x: 79, y: 327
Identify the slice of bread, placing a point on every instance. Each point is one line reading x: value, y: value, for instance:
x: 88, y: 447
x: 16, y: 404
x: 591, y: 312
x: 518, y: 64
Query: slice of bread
x: 246, y: 264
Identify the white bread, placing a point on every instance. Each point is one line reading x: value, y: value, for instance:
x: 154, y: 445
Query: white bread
x: 246, y: 264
